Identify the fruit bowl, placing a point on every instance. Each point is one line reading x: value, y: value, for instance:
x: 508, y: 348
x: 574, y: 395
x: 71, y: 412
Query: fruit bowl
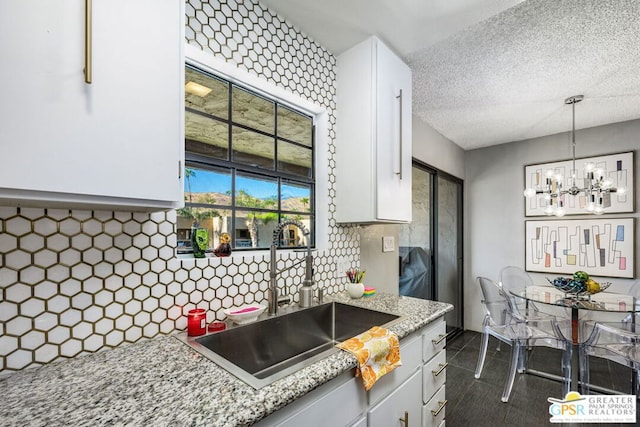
x: 578, y: 286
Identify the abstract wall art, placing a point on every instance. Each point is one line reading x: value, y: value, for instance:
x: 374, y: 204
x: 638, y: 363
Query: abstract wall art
x: 602, y: 247
x: 618, y: 168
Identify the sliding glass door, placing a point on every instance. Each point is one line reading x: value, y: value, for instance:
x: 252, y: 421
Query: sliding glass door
x: 431, y: 245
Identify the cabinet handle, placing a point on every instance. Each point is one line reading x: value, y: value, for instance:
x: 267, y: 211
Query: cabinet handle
x: 442, y: 366
x: 442, y: 405
x: 88, y: 22
x: 400, y: 141
x: 439, y: 340
x: 405, y: 420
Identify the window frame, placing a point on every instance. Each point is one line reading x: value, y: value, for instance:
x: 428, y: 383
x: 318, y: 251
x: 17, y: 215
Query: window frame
x: 234, y: 168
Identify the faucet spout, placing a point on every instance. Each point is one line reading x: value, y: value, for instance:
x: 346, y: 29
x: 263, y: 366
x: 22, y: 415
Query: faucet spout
x: 272, y: 295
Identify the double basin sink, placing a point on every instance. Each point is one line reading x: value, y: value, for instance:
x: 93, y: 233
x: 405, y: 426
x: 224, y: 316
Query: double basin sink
x: 271, y: 348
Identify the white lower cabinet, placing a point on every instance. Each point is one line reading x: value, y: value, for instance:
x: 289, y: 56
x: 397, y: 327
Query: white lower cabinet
x: 410, y: 396
x: 400, y: 408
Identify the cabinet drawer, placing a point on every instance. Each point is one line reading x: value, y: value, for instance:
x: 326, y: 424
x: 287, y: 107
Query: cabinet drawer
x: 433, y: 412
x: 410, y: 355
x: 434, y: 376
x: 433, y: 339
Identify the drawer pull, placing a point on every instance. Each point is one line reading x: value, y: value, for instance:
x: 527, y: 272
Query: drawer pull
x: 442, y: 366
x: 442, y: 405
x: 405, y: 420
x: 439, y: 340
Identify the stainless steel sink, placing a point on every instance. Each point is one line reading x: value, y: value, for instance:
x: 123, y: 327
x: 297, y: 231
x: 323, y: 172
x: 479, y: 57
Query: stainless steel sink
x: 269, y: 349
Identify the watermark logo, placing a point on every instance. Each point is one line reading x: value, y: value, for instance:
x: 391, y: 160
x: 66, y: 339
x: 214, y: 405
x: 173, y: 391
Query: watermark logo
x: 576, y: 408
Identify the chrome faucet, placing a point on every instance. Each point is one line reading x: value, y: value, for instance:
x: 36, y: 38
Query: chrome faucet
x: 306, y: 292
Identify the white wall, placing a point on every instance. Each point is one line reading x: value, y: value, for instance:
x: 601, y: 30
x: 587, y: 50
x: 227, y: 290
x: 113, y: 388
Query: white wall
x: 494, y: 203
x: 435, y: 150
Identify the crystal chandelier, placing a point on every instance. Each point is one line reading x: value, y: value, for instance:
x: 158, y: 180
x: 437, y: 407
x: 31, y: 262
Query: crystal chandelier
x: 596, y: 187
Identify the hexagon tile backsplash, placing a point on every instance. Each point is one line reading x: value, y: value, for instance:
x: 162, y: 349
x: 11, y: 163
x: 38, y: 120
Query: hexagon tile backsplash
x: 74, y: 282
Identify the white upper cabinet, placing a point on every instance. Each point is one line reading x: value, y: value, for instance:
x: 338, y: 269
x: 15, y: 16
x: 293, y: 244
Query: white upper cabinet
x: 373, y: 135
x: 115, y: 142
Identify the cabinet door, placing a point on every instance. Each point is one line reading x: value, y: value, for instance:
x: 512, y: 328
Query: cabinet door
x: 115, y: 141
x: 393, y: 118
x: 405, y: 402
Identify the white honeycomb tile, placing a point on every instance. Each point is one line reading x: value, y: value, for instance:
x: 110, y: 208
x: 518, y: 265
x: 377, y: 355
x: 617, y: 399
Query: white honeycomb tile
x: 7, y: 344
x: 32, y: 242
x: 8, y: 310
x: 150, y: 330
x: 93, y: 343
x: 70, y: 257
x: 70, y: 227
x: 92, y: 314
x: 46, y: 353
x: 17, y: 259
x: 45, y: 321
x: 132, y: 307
x: 70, y: 317
x: 82, y: 330
x: 19, y: 226
x: 92, y: 227
x: 103, y: 326
x: 81, y: 301
x: 113, y: 310
x: 18, y: 292
x: 133, y: 334
x: 70, y: 287
x: 81, y: 271
x: 45, y: 258
x: 32, y: 275
x: 19, y: 359
x: 32, y: 340
x: 32, y: 307
x: 114, y: 338
x: 18, y: 325
x: 81, y: 242
x: 92, y: 256
x: 59, y: 334
x: 71, y: 348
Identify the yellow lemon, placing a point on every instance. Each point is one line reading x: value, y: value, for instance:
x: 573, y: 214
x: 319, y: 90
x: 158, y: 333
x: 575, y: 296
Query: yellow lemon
x: 593, y: 287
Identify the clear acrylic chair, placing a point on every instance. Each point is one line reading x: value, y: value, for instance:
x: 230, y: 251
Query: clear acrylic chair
x: 618, y: 341
x: 514, y: 281
x: 620, y: 344
x: 519, y: 332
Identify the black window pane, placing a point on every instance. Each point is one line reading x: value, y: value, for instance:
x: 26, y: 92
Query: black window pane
x: 294, y: 159
x: 206, y: 136
x: 252, y: 148
x: 295, y: 197
x: 255, y: 229
x: 205, y: 93
x: 293, y: 237
x: 253, y: 191
x: 294, y: 126
x: 252, y: 111
x: 210, y: 187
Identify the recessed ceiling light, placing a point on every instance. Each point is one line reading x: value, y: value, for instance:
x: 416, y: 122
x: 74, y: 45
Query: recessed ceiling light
x: 197, y: 89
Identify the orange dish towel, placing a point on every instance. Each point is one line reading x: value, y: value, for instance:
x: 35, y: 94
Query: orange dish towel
x: 377, y: 351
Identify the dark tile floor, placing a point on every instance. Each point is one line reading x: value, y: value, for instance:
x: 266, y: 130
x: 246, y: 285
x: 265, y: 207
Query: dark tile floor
x: 476, y: 402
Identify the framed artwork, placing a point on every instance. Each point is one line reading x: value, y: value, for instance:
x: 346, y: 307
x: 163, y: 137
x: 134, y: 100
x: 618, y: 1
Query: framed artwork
x: 601, y: 247
x: 618, y: 167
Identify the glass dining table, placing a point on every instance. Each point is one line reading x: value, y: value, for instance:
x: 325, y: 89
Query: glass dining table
x: 599, y: 304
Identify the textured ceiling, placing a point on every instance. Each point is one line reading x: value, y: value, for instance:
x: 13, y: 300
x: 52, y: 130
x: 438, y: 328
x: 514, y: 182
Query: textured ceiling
x: 489, y: 72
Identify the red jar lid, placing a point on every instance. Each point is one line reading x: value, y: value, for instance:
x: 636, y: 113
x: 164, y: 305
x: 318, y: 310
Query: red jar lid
x: 217, y: 326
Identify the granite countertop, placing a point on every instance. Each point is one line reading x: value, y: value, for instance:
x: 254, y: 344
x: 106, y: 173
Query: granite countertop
x: 162, y: 381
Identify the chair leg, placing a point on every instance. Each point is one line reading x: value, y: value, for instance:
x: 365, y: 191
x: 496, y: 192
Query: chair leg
x: 566, y: 370
x: 483, y: 353
x: 584, y: 372
x: 516, y: 349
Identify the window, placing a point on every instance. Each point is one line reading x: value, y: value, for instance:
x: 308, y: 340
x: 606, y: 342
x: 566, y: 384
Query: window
x: 249, y: 165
